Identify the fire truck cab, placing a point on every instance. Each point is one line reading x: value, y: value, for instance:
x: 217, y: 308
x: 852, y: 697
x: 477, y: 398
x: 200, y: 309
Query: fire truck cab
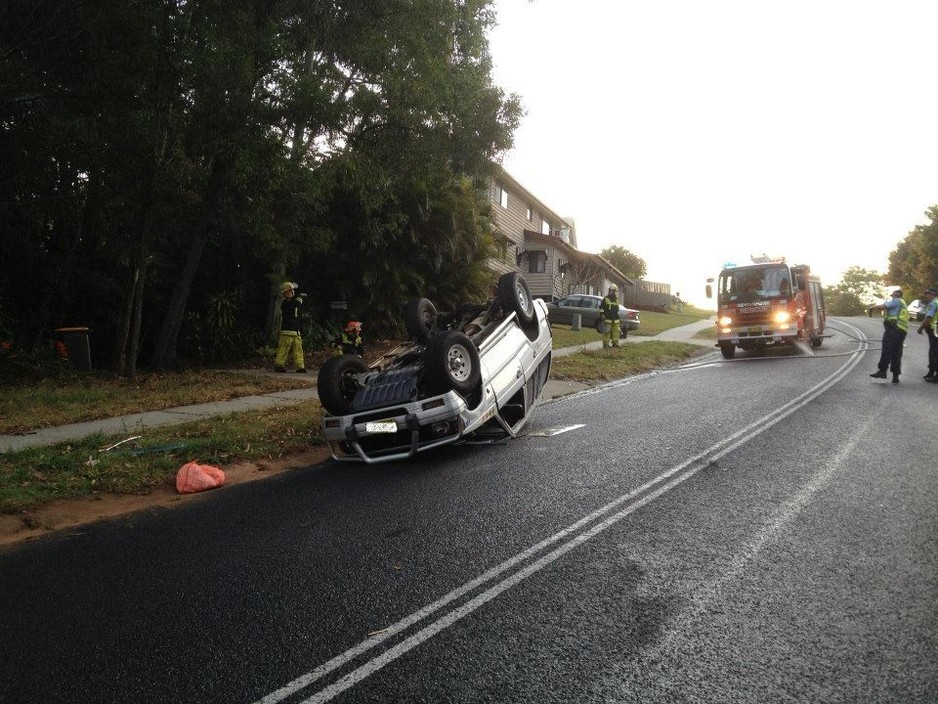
x: 768, y: 302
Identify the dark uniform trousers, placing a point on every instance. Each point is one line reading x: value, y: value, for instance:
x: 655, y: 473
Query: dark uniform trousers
x: 891, y: 356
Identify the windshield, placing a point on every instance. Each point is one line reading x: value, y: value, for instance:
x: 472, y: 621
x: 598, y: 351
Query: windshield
x: 754, y: 283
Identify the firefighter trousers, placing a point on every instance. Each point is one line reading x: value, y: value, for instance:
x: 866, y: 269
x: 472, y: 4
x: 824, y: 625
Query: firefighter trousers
x: 290, y: 344
x: 615, y: 330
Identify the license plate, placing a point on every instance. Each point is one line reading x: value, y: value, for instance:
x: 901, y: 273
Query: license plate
x: 381, y: 426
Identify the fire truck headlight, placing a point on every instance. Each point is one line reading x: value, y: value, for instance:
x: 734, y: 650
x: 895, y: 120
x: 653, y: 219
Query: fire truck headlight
x: 782, y: 316
x: 725, y: 321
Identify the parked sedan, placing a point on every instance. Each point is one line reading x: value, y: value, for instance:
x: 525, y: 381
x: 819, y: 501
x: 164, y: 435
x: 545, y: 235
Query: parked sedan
x: 477, y: 372
x: 587, y: 306
x: 917, y: 309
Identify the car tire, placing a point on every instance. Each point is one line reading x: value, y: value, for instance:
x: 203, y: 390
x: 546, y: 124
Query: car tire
x: 419, y: 319
x: 624, y: 331
x: 515, y: 296
x: 336, y: 382
x: 451, y: 362
x: 728, y: 351
x: 816, y: 341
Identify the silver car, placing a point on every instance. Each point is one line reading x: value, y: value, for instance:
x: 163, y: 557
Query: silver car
x: 917, y: 309
x: 475, y: 373
x: 587, y: 306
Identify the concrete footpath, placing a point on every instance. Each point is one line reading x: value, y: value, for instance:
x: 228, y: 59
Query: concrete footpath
x: 137, y: 423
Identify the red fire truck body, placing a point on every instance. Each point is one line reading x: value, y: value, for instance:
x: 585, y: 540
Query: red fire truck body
x: 768, y: 303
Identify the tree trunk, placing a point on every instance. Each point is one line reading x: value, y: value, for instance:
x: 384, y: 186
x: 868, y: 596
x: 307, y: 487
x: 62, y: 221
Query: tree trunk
x: 164, y: 353
x: 123, y: 325
x: 137, y: 319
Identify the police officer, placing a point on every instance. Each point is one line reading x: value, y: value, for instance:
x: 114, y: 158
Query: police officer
x: 928, y: 326
x: 895, y: 327
x: 609, y: 310
x: 290, y: 342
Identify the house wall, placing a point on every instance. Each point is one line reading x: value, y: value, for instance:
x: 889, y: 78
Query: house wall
x: 520, y: 220
x: 511, y: 222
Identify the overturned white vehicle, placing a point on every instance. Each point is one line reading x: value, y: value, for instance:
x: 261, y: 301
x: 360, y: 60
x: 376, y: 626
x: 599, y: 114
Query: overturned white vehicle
x: 475, y: 373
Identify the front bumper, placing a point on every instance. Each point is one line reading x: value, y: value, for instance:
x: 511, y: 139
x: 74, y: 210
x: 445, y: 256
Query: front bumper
x: 420, y: 425
x: 757, y: 333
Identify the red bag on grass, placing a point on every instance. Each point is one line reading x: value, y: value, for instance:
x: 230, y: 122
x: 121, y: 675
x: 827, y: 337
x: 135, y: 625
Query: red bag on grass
x: 193, y: 477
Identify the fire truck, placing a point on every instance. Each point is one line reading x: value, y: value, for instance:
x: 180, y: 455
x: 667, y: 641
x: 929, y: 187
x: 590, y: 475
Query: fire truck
x: 768, y: 302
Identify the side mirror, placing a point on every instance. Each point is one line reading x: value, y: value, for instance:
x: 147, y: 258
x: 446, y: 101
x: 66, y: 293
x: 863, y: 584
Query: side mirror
x: 709, y: 291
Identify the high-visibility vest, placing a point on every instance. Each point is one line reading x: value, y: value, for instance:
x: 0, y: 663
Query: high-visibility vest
x: 901, y: 319
x: 609, y: 309
x: 931, y: 312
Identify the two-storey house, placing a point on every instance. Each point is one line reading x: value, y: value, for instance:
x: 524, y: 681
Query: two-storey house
x: 542, y: 245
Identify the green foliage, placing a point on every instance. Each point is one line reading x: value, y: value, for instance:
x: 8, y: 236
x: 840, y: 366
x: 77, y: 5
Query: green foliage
x: 857, y: 289
x: 193, y: 148
x: 625, y: 261
x: 914, y: 262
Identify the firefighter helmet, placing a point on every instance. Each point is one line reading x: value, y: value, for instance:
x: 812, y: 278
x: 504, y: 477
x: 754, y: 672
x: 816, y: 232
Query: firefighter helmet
x: 613, y: 288
x: 353, y: 326
x: 287, y: 286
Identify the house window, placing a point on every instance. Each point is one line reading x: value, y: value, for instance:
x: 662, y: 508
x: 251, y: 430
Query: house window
x: 502, y: 196
x: 537, y: 262
x: 545, y: 227
x: 530, y: 214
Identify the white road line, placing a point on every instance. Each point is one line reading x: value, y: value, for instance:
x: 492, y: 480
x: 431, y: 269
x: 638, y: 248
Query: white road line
x: 667, y: 481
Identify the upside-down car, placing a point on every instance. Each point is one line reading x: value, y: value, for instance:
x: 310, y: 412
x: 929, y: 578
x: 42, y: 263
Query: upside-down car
x: 477, y: 372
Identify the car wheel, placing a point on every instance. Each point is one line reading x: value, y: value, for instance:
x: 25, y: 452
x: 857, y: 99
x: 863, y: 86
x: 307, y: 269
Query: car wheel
x: 337, y: 384
x: 816, y: 341
x: 452, y: 362
x: 624, y: 331
x: 514, y: 296
x: 729, y: 351
x: 419, y: 319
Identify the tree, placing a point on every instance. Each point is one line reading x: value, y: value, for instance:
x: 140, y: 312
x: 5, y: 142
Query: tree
x: 625, y: 261
x: 584, y: 270
x: 857, y: 290
x: 158, y: 155
x: 914, y: 262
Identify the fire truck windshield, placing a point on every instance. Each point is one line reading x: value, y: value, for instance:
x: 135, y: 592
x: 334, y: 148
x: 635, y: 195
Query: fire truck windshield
x: 754, y: 282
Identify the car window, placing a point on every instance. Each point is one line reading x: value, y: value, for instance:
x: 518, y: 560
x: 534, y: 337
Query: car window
x: 592, y: 302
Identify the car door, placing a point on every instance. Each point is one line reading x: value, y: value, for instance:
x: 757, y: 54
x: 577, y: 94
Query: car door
x: 589, y: 310
x: 563, y: 312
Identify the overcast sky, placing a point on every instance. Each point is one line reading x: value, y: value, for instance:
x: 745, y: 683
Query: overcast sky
x: 694, y: 133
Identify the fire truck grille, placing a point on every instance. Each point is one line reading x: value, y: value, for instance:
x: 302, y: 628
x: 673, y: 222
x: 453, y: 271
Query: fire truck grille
x: 763, y: 333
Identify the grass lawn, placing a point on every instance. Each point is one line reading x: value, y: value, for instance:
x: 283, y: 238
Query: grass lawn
x: 651, y: 324
x: 619, y: 362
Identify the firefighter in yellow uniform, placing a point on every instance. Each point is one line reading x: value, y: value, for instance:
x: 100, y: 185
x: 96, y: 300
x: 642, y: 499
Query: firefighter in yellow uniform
x: 349, y: 341
x: 609, y: 310
x: 291, y: 342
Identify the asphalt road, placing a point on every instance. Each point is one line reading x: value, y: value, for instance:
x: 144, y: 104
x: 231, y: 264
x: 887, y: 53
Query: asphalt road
x: 758, y: 530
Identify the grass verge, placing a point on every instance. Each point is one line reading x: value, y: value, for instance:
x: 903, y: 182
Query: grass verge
x: 618, y: 362
x: 34, y: 477
x: 90, y: 396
